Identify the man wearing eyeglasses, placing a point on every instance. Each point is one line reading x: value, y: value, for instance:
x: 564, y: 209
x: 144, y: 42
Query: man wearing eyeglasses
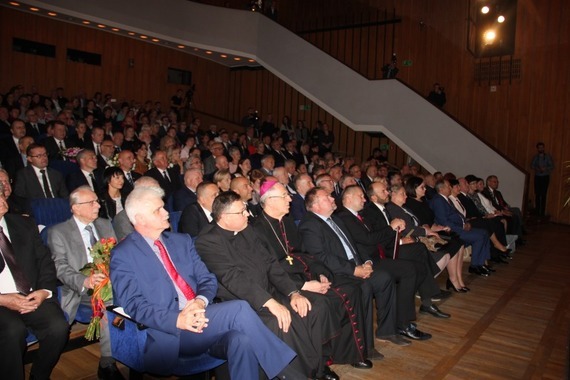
x: 69, y: 243
x: 246, y: 270
x: 37, y: 180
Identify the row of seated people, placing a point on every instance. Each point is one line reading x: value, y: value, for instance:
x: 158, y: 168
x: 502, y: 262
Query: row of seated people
x: 353, y: 200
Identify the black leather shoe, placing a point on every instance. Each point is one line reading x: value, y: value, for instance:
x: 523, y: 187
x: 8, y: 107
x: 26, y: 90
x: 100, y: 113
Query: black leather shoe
x: 366, y: 364
x: 329, y: 374
x: 413, y: 333
x: 395, y: 339
x: 109, y: 373
x: 488, y: 268
x: 478, y: 272
x: 433, y: 310
x: 375, y: 355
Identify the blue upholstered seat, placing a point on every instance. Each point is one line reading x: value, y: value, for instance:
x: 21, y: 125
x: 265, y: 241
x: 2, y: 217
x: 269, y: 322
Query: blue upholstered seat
x: 174, y: 218
x: 128, y: 340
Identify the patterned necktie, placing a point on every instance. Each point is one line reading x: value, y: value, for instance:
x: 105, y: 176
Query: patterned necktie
x: 22, y: 284
x: 61, y: 147
x: 173, y: 273
x: 130, y: 178
x: 45, y: 182
x: 341, y: 234
x: 93, y: 181
x: 92, y: 239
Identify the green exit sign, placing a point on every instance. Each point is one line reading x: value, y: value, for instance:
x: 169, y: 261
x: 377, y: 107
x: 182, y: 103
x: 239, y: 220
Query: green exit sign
x: 407, y: 63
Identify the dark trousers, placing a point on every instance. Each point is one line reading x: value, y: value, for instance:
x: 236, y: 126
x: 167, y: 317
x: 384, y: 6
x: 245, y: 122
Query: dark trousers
x: 426, y: 269
x: 50, y: 327
x: 235, y: 333
x: 540, y: 190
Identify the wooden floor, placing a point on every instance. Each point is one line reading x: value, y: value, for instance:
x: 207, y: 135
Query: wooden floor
x: 512, y: 325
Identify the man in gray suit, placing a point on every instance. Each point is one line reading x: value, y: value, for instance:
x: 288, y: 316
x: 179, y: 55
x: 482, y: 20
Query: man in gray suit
x: 69, y: 243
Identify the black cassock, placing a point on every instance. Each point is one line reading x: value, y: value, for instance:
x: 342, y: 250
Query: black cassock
x: 246, y: 270
x: 344, y: 294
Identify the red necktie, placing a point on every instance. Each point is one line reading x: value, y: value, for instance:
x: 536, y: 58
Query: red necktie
x: 380, y: 248
x: 173, y: 273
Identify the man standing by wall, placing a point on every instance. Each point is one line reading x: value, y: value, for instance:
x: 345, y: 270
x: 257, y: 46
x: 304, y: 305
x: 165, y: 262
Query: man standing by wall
x: 542, y: 164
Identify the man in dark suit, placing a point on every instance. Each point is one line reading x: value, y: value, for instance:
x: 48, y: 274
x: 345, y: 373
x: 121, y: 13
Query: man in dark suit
x: 126, y: 161
x: 58, y: 142
x: 246, y: 270
x: 303, y: 183
x: 198, y: 215
x: 69, y: 243
x: 447, y: 215
x: 491, y: 191
x: 376, y: 239
x: 19, y: 161
x: 27, y: 298
x: 186, y: 195
x: 31, y: 181
x: 326, y: 236
x: 179, y: 313
x: 9, y: 145
x: 34, y: 128
x: 168, y: 178
x: 88, y: 175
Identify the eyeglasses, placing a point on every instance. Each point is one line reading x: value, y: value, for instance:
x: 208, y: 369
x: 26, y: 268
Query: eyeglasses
x: 242, y: 212
x: 41, y: 155
x: 91, y: 203
x: 282, y: 196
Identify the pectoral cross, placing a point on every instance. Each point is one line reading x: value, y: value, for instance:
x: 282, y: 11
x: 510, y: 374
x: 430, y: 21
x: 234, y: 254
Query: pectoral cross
x: 289, y: 259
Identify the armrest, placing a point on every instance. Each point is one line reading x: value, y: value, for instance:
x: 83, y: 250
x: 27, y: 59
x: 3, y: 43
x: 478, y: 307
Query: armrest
x: 119, y: 320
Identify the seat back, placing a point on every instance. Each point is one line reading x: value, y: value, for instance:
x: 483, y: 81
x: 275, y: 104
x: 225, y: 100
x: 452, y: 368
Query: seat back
x: 64, y: 167
x: 50, y: 211
x: 174, y: 218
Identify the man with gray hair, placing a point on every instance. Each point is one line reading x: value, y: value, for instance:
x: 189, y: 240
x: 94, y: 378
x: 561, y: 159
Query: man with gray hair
x: 70, y: 243
x: 177, y: 304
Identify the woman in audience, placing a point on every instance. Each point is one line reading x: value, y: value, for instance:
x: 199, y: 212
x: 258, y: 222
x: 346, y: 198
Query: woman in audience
x: 255, y: 177
x: 173, y: 155
x: 244, y: 168
x: 222, y: 179
x: 414, y: 202
x: 113, y: 200
x: 141, y: 160
x: 189, y: 144
x: 235, y: 156
x: 286, y: 130
x: 130, y: 138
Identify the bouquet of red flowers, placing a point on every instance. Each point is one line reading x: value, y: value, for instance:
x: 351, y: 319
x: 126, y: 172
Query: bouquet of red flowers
x: 101, y: 293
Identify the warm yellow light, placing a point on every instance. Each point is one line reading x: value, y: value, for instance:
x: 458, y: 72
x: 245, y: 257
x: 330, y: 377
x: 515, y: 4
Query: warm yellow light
x: 223, y: 56
x: 208, y: 52
x: 52, y: 14
x: 181, y: 46
x: 86, y: 22
x: 14, y: 3
x: 251, y: 60
x: 485, y: 10
x: 489, y: 36
x: 115, y: 29
x: 155, y: 40
x: 101, y: 26
x: 131, y: 33
x: 196, y: 49
x: 237, y: 59
x: 501, y: 19
x: 144, y: 37
x: 34, y: 9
